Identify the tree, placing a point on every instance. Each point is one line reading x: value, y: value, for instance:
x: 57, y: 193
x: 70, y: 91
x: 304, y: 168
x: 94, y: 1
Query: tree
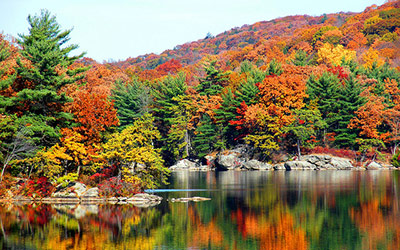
x: 301, y: 58
x: 213, y: 82
x: 349, y: 101
x: 325, y: 90
x: 41, y: 72
x: 307, y: 122
x: 133, y: 151
x: 131, y: 100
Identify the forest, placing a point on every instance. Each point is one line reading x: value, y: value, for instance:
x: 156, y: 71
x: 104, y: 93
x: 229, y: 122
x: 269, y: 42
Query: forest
x: 289, y: 86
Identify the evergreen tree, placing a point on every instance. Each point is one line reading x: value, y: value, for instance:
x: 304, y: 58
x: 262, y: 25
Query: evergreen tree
x: 274, y: 68
x: 131, y: 99
x: 206, y: 139
x: 349, y: 102
x: 213, y: 82
x: 325, y: 90
x: 300, y: 58
x: 167, y: 94
x: 227, y: 112
x: 40, y: 74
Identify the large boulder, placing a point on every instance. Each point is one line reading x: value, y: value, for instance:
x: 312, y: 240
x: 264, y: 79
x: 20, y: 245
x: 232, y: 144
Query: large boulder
x: 256, y: 165
x: 72, y: 190
x: 374, y: 166
x: 279, y: 166
x: 228, y: 162
x: 91, y: 193
x: 185, y: 164
x: 298, y: 165
x: 341, y: 163
x: 328, y: 162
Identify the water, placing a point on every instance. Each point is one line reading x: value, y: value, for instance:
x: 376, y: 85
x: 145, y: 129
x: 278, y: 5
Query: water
x: 314, y: 210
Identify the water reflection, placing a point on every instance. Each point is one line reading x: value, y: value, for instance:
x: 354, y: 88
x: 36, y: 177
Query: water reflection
x: 248, y: 210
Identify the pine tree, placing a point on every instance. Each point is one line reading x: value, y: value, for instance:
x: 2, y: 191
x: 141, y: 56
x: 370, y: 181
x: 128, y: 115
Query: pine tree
x: 274, y: 68
x: 213, y: 82
x: 325, y: 90
x: 349, y: 102
x: 131, y: 99
x: 301, y: 58
x: 167, y: 94
x: 41, y: 72
x: 225, y: 113
x: 206, y: 139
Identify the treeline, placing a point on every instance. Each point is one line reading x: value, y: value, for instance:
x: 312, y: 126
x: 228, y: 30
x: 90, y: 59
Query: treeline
x: 65, y: 118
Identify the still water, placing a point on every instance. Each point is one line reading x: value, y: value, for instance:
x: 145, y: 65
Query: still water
x: 300, y: 210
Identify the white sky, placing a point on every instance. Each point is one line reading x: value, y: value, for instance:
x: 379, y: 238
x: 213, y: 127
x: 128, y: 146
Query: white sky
x: 118, y: 29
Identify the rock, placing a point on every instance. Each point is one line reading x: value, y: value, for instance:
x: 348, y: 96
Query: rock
x: 326, y: 162
x: 187, y: 199
x: 184, y: 164
x: 112, y: 200
x: 228, y: 162
x: 91, y: 193
x: 73, y: 190
x: 341, y: 163
x: 144, y: 200
x: 122, y: 199
x: 256, y: 165
x: 279, y: 166
x: 374, y: 166
x: 298, y: 165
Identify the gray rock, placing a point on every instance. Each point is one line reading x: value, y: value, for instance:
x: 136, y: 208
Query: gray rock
x: 256, y: 165
x: 184, y: 164
x: 229, y: 162
x: 341, y: 163
x: 73, y: 190
x: 298, y: 165
x: 91, y: 193
x: 112, y: 200
x: 279, y: 166
x: 187, y: 199
x: 374, y: 166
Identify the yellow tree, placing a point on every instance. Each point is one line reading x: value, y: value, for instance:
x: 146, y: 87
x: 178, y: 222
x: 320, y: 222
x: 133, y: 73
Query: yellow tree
x: 133, y: 151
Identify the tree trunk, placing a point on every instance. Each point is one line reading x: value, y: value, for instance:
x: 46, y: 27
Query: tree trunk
x: 298, y: 149
x: 187, y: 140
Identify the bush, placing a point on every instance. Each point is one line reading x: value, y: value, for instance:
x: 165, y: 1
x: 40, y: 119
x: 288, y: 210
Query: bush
x: 395, y: 160
x: 38, y: 187
x: 114, y: 186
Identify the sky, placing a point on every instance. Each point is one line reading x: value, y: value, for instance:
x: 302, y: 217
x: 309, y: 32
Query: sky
x: 112, y: 30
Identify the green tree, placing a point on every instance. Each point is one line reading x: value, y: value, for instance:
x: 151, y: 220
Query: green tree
x: 326, y: 91
x: 349, y: 102
x: 131, y: 99
x: 301, y: 58
x: 213, y: 82
x: 41, y: 72
x: 306, y: 124
x: 206, y: 137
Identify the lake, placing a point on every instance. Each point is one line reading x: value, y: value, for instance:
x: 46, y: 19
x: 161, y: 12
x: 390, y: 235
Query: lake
x: 291, y: 210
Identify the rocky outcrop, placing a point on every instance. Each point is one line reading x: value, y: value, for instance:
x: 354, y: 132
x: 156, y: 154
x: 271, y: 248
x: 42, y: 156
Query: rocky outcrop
x: 279, y: 166
x: 187, y: 199
x: 185, y: 164
x: 72, y: 190
x: 229, y: 161
x: 256, y: 165
x: 144, y: 200
x: 319, y: 162
x: 298, y: 165
x: 374, y: 166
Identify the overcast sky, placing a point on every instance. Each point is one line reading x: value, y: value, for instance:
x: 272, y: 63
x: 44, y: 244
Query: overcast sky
x: 118, y: 29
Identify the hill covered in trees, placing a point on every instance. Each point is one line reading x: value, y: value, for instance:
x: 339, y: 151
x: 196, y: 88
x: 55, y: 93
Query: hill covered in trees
x: 293, y: 84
